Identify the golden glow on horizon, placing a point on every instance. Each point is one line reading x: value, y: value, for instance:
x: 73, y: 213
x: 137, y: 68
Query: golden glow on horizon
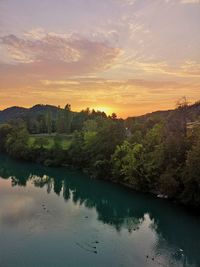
x: 124, y: 62
x: 106, y: 109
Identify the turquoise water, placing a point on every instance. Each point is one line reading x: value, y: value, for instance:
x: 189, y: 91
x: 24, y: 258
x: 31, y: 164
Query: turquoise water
x: 56, y: 218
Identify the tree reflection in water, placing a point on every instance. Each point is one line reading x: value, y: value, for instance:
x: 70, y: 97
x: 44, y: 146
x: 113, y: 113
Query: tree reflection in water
x: 116, y: 206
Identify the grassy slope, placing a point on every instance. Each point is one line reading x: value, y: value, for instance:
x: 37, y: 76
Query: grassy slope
x: 65, y: 140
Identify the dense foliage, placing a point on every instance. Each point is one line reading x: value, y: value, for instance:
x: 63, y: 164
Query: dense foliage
x: 157, y: 154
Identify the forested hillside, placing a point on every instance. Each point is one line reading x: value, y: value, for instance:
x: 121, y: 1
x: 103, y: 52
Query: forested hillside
x: 38, y: 113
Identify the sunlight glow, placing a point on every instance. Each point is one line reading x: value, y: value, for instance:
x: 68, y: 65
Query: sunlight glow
x: 107, y: 110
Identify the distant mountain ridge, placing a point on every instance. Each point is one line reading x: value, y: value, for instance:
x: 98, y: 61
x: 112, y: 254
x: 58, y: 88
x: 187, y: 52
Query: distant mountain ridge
x: 193, y: 113
x: 15, y: 112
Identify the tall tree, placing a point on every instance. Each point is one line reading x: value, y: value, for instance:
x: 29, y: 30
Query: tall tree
x: 49, y: 122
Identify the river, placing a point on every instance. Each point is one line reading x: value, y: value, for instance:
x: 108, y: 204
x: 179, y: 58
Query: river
x: 55, y: 217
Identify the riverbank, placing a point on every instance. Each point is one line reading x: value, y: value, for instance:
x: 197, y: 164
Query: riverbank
x: 154, y: 194
x: 158, y: 160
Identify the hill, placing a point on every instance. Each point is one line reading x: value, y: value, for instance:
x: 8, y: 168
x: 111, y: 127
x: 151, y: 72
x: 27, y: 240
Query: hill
x: 192, y: 114
x: 12, y: 113
x: 15, y: 112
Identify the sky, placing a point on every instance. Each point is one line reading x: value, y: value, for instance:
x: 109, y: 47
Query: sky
x: 125, y: 56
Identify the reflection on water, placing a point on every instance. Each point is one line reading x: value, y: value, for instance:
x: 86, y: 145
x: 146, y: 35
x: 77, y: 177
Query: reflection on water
x: 97, y: 224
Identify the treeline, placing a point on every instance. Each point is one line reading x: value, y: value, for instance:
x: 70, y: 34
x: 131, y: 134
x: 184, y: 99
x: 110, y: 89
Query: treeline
x: 57, y: 120
x: 160, y: 155
x: 50, y: 121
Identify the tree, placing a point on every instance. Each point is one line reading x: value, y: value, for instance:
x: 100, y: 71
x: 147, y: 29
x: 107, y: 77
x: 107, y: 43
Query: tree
x: 17, y: 141
x: 128, y: 165
x: 67, y: 119
x: 41, y: 118
x: 114, y: 116
x: 5, y: 129
x: 68, y: 107
x: 75, y: 152
x: 110, y: 133
x: 168, y: 184
x: 90, y: 126
x: 59, y: 121
x: 41, y: 142
x: 191, y: 193
x: 182, y: 107
x: 64, y: 119
x: 49, y: 122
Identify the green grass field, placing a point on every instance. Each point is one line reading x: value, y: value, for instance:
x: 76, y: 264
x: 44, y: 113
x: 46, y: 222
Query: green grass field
x: 65, y: 140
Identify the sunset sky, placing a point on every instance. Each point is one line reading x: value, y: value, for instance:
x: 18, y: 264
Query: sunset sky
x: 127, y: 56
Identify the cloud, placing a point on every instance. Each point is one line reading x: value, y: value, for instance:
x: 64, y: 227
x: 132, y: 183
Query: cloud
x: 49, y: 48
x: 126, y: 2
x: 60, y: 82
x: 191, y: 67
x: 91, y: 83
x: 56, y: 55
x: 190, y: 1
x: 184, y: 69
x: 131, y: 96
x: 130, y: 2
x: 183, y: 1
x: 126, y: 97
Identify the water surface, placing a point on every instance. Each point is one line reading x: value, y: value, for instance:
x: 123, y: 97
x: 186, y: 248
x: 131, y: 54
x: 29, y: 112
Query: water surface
x: 53, y: 217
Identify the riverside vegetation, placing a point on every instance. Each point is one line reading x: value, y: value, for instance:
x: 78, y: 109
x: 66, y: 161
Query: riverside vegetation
x: 157, y: 153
